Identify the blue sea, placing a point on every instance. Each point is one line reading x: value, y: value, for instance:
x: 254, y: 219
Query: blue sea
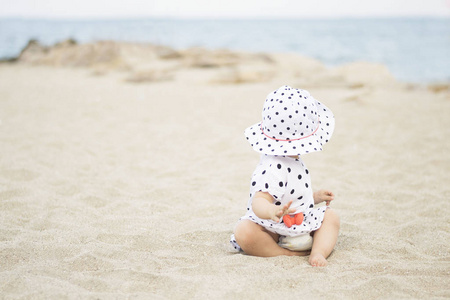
x: 414, y: 49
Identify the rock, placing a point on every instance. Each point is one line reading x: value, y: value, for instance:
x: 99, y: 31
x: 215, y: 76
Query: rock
x: 439, y: 87
x: 150, y: 76
x: 203, y: 58
x: 69, y: 53
x: 33, y: 52
x: 164, y: 52
x: 68, y: 42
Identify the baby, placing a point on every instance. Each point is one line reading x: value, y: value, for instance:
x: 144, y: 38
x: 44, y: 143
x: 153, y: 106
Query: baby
x: 281, y: 216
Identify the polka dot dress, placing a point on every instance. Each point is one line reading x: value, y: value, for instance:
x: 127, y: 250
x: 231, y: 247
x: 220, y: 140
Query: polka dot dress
x: 285, y: 178
x: 293, y: 123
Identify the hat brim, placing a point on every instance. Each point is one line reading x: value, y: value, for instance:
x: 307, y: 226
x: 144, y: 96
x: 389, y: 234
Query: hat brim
x: 313, y: 143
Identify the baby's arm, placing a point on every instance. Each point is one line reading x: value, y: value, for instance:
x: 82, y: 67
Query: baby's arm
x: 263, y: 207
x: 323, y: 195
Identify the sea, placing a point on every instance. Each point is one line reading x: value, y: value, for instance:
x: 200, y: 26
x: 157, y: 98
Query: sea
x: 415, y: 50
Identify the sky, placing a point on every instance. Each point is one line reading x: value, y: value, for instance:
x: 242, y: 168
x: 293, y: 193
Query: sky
x: 101, y: 9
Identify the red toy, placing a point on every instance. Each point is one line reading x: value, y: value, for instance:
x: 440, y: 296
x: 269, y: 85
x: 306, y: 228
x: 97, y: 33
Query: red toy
x: 290, y: 220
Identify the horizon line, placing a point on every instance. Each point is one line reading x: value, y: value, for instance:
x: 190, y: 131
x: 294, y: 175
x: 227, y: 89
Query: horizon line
x: 222, y: 18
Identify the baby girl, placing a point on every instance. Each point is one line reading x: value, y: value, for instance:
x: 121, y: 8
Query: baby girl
x: 281, y: 217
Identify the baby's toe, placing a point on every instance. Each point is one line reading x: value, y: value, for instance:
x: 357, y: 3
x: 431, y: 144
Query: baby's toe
x: 317, y: 260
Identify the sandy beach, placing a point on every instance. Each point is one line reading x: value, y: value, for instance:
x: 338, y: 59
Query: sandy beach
x: 124, y: 169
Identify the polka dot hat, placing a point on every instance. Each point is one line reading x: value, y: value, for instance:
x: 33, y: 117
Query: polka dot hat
x: 293, y: 123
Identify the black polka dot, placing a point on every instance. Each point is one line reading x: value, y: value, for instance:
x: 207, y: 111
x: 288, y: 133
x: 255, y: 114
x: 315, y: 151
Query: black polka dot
x: 281, y: 183
x: 299, y: 176
x: 267, y: 185
x: 292, y: 191
x: 279, y: 166
x: 253, y: 183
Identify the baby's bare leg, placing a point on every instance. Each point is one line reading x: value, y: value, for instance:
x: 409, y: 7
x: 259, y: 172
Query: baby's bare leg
x: 324, y: 239
x: 257, y: 241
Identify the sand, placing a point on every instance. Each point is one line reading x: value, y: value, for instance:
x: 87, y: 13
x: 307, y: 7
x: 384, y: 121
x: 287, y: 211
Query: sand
x: 112, y: 187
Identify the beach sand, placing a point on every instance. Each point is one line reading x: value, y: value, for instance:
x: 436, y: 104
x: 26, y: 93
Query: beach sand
x: 124, y: 176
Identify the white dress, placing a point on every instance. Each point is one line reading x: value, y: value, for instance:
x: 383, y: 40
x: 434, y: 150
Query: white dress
x: 285, y: 178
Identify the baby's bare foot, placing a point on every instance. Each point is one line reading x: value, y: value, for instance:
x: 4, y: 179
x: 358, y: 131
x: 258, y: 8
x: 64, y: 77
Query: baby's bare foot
x: 317, y: 260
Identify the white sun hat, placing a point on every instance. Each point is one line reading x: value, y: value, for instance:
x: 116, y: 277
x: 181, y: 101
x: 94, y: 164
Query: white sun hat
x: 293, y: 123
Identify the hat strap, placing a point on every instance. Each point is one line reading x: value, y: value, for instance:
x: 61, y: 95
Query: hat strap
x: 290, y: 140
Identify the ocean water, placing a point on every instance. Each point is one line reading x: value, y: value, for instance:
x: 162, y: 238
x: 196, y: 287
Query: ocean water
x: 415, y: 50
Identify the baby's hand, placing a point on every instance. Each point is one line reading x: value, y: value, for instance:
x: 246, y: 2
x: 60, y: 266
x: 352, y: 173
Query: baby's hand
x: 323, y: 195
x: 279, y: 212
